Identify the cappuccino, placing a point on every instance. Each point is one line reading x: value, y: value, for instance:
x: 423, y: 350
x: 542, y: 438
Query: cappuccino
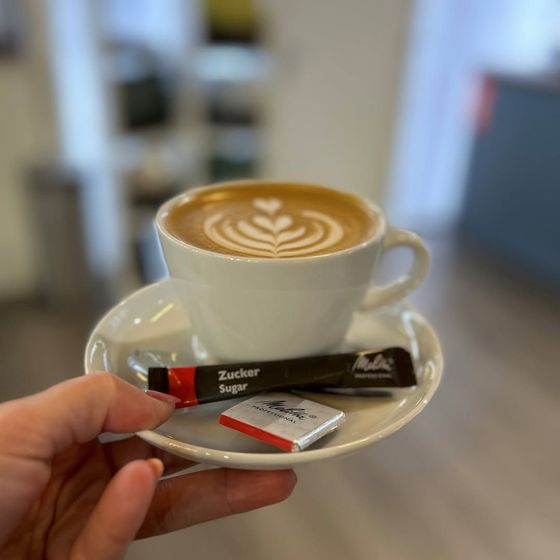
x: 271, y: 220
x: 271, y: 271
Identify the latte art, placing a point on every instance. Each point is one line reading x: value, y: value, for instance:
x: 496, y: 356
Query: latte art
x: 269, y: 233
x: 271, y: 220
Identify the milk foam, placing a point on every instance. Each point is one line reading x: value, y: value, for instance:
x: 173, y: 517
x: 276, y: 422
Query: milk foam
x: 271, y: 232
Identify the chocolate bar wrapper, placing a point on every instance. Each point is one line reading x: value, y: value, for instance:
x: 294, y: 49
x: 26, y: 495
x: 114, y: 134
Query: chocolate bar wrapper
x: 284, y: 420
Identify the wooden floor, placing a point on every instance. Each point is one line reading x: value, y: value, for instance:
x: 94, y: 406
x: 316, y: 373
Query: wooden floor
x: 476, y: 476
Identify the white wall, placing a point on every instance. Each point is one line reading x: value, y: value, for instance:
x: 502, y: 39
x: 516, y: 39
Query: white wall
x: 26, y: 137
x: 86, y: 108
x: 331, y: 108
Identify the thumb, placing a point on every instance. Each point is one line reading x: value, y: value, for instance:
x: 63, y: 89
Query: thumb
x: 77, y: 411
x: 34, y: 429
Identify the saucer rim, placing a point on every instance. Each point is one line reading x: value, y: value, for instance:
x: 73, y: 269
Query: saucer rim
x: 277, y: 460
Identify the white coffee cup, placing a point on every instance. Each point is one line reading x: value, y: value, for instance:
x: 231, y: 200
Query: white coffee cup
x: 247, y: 308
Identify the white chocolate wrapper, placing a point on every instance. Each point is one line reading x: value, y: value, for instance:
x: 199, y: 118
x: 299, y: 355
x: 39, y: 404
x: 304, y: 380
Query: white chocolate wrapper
x: 284, y: 420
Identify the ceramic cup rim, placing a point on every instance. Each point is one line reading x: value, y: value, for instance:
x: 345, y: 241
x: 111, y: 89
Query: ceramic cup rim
x: 166, y: 206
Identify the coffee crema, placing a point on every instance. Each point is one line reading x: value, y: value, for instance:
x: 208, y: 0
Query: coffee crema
x: 271, y: 220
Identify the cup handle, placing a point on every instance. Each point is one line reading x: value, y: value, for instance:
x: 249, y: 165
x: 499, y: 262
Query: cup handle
x: 401, y: 287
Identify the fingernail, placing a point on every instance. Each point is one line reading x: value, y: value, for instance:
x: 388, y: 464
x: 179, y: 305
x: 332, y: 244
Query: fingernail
x: 163, y: 397
x: 157, y: 466
x: 295, y: 477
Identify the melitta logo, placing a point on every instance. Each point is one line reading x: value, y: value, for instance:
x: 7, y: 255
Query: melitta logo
x: 280, y: 406
x: 379, y: 363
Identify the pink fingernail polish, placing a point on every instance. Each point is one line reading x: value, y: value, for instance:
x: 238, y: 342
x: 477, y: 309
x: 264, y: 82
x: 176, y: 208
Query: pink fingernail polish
x: 163, y: 397
x: 157, y: 466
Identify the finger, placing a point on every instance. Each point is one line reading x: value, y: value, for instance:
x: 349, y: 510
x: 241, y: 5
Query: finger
x: 119, y: 513
x: 194, y: 498
x: 119, y: 453
x: 76, y: 411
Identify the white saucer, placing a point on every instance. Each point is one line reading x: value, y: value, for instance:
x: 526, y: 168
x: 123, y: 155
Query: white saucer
x: 151, y: 318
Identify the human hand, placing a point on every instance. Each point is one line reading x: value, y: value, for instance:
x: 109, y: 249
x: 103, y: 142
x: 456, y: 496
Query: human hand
x: 63, y: 494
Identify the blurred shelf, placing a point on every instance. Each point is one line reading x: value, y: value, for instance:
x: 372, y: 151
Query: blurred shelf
x: 232, y: 63
x: 512, y: 196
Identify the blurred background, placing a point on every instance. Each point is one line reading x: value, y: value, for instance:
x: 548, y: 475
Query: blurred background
x: 447, y: 112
